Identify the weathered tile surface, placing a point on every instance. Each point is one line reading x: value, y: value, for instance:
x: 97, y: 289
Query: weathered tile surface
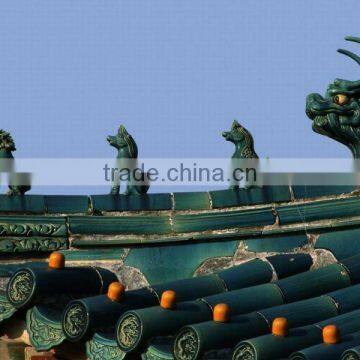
x: 169, y: 262
x: 319, y: 210
x: 147, y: 202
x: 306, y: 192
x: 222, y: 220
x: 22, y: 204
x: 225, y: 198
x: 278, y: 243
x: 112, y: 253
x: 192, y: 201
x: 342, y: 243
x: 149, y: 224
x: 67, y: 204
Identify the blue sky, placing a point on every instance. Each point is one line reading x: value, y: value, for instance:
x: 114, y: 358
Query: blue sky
x: 176, y: 73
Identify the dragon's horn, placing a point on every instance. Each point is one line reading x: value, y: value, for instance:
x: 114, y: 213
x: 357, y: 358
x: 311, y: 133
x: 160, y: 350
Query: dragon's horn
x: 352, y: 38
x: 349, y: 53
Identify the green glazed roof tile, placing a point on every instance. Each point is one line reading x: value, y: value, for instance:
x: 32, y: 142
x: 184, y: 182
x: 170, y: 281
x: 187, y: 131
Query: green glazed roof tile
x: 106, y: 202
x: 147, y: 202
x: 252, y: 196
x: 303, y: 312
x: 274, y: 347
x: 319, y: 210
x: 290, y: 264
x: 347, y: 299
x: 94, y: 254
x: 224, y: 198
x: 102, y: 312
x: 161, y: 239
x: 160, y: 224
x: 164, y: 263
x: 278, y: 243
x: 145, y: 224
x: 7, y: 270
x: 314, y: 283
x: 352, y: 266
x: 191, y: 288
x: 203, y: 337
x: 352, y: 353
x: 342, y: 243
x: 250, y: 273
x: 210, y: 335
x: 306, y: 191
x: 152, y: 202
x: 277, y: 193
x: 43, y: 323
x: 244, y: 300
x: 155, y: 202
x: 348, y: 322
x: 70, y: 204
x: 22, y: 204
x: 192, y: 201
x: 155, y: 321
x: 324, y: 351
x: 49, y: 286
x: 264, y: 195
x: 222, y: 220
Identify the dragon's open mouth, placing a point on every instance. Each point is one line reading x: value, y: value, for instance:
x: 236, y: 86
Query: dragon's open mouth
x: 320, y: 125
x: 226, y: 135
x: 320, y: 121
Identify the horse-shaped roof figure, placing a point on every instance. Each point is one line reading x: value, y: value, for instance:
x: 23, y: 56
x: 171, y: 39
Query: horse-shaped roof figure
x: 243, y: 140
x: 244, y: 149
x: 126, y: 160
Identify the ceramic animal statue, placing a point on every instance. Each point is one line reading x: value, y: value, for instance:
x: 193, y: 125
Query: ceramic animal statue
x: 7, y: 146
x: 244, y: 146
x: 127, y: 152
x: 337, y: 115
x: 243, y: 140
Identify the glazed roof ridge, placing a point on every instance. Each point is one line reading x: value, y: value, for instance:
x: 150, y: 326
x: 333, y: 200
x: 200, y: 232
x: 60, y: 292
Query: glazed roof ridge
x: 182, y: 201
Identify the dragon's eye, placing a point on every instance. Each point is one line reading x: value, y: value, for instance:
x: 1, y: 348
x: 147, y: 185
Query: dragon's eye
x: 340, y: 99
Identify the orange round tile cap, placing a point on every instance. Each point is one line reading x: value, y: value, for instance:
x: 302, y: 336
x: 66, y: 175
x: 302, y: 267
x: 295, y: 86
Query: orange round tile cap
x: 168, y: 299
x: 331, y: 334
x: 280, y: 327
x: 56, y: 260
x: 116, y: 291
x: 221, y: 313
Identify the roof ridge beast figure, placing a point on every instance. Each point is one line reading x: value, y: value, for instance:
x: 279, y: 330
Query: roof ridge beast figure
x: 337, y: 115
